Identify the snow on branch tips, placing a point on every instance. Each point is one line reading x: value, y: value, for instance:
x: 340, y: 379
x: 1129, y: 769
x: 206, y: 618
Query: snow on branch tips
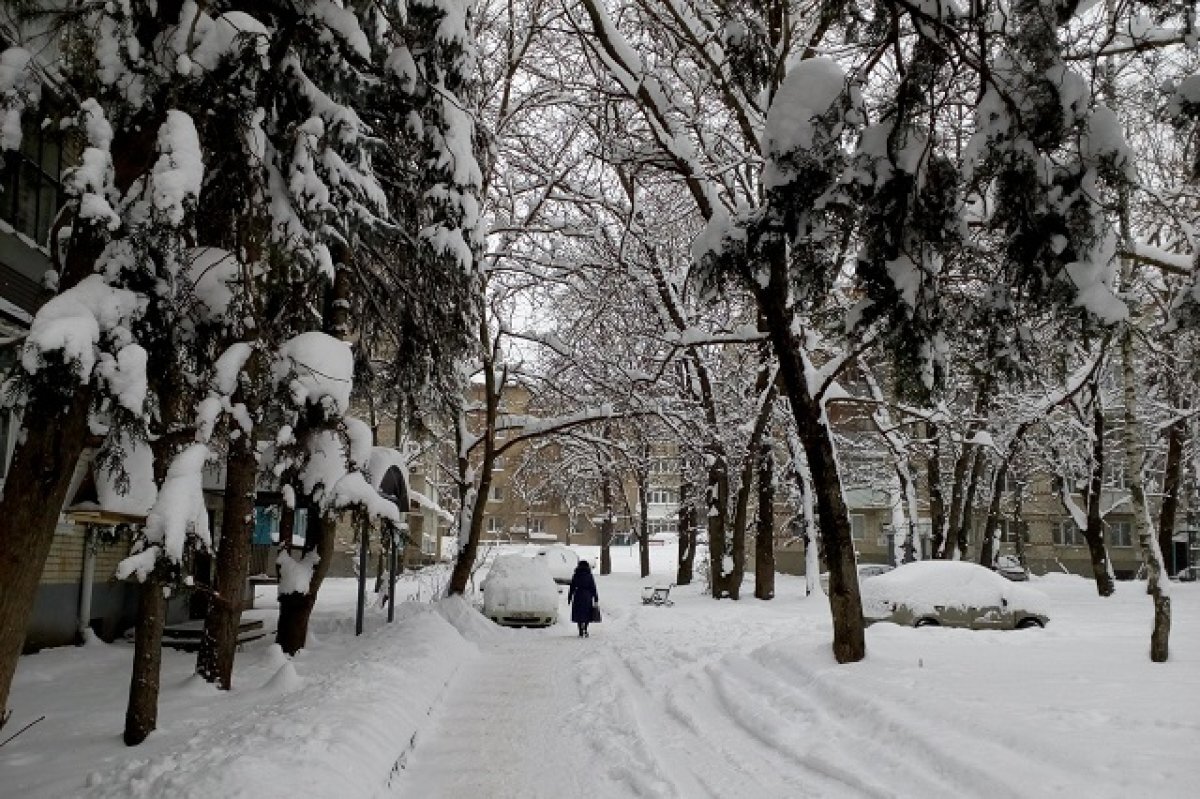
x: 179, y: 514
x: 19, y: 89
x: 179, y: 171
x: 205, y: 42
x: 91, y: 180
x: 226, y: 371
x: 336, y: 481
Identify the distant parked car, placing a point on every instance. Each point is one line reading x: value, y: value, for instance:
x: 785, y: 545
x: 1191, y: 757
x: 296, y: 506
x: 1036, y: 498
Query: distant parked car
x: 1010, y: 567
x: 519, y: 592
x: 865, y: 570
x: 561, y: 560
x: 952, y: 593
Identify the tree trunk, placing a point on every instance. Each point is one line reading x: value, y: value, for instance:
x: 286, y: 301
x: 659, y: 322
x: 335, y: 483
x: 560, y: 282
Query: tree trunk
x: 909, y: 491
x: 764, y: 533
x: 174, y: 432
x: 1172, y: 472
x: 937, y: 502
x: 716, y: 504
x: 1093, y: 533
x: 987, y: 547
x: 141, y: 713
x: 34, y: 492
x: 963, y: 531
x: 1134, y: 459
x: 606, y: 527
x: 468, y: 550
x: 845, y: 603
x: 687, y: 529
x: 644, y: 524
x: 295, y: 608
x: 219, y: 644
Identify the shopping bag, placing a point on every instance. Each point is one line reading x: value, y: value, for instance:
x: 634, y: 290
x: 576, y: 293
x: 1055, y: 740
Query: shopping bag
x: 595, y: 613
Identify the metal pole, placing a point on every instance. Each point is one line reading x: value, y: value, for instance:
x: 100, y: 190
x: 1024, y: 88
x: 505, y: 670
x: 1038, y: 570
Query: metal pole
x: 363, y: 554
x: 392, y: 572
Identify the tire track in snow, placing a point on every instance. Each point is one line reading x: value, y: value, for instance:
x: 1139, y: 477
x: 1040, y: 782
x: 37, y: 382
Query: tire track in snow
x: 880, y: 732
x: 691, y: 731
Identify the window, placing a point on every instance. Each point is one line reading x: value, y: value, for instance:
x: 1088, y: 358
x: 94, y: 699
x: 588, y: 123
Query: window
x: 858, y: 526
x: 494, y: 525
x: 537, y: 526
x: 496, y: 494
x: 1120, y: 534
x: 661, y: 496
x: 1068, y: 534
x: 498, y: 463
x: 659, y: 526
x: 30, y: 182
x: 1114, y: 475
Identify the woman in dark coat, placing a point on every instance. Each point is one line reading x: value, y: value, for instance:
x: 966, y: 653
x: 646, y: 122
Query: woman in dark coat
x: 582, y: 596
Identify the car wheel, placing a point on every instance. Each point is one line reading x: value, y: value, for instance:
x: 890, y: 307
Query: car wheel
x: 927, y: 622
x: 1030, y: 623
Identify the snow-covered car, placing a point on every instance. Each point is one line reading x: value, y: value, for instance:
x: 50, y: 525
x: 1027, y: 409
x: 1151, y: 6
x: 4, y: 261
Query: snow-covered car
x: 865, y: 571
x: 952, y: 593
x: 561, y: 561
x: 519, y: 592
x: 1010, y: 567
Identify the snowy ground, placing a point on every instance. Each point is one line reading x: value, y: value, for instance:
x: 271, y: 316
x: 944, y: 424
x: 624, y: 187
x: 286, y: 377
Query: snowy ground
x: 700, y: 699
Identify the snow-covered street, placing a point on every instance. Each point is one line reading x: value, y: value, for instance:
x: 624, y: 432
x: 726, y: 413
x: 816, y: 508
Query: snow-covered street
x: 699, y: 699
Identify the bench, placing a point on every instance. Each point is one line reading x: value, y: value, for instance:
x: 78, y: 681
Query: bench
x: 186, y: 635
x: 657, y: 595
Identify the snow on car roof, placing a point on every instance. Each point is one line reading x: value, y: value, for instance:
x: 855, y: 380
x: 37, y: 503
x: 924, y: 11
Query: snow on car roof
x: 949, y: 583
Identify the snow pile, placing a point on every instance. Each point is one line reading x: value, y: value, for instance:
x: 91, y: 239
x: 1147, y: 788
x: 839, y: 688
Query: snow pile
x: 807, y: 94
x: 295, y: 575
x: 925, y: 585
x: 470, y: 624
x: 516, y: 584
x: 91, y: 179
x: 336, y: 732
x: 318, y: 368
x: 71, y: 324
x: 179, y: 171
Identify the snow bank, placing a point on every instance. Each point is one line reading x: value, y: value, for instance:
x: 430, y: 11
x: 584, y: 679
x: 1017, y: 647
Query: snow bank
x: 469, y: 622
x: 342, y: 732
